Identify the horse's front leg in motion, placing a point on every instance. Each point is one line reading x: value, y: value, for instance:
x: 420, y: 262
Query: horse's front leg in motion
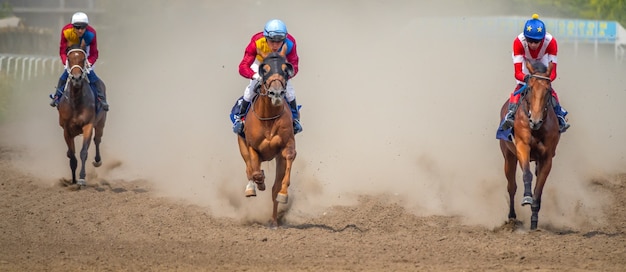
x: 69, y: 141
x: 283, y: 174
x: 84, y: 152
x: 543, y: 170
x: 523, y: 156
x: 510, y: 167
x: 96, y: 140
x: 253, y: 168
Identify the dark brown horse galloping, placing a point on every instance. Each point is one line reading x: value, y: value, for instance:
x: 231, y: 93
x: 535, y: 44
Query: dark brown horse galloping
x: 77, y: 112
x: 536, y: 132
x: 269, y: 132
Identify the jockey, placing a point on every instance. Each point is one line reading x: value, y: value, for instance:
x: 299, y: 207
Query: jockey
x: 533, y: 44
x: 79, y: 32
x: 273, y: 39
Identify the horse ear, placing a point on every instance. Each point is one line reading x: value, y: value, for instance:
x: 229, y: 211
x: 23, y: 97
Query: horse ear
x: 283, y: 50
x: 288, y: 69
x: 530, y: 67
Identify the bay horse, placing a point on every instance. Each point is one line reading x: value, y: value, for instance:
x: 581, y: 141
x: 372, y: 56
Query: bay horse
x: 78, y: 113
x: 536, y: 136
x: 268, y: 132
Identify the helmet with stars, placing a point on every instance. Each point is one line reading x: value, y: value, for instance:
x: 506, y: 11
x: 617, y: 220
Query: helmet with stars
x: 534, y: 29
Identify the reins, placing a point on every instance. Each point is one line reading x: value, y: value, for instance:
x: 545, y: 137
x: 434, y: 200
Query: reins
x: 527, y: 90
x: 83, y: 70
x: 264, y: 86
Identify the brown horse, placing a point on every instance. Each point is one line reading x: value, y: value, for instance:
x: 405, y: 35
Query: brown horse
x: 77, y: 112
x: 269, y: 132
x: 536, y: 135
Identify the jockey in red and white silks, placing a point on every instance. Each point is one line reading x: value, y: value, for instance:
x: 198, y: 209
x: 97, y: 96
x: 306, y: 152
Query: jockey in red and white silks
x: 534, y: 44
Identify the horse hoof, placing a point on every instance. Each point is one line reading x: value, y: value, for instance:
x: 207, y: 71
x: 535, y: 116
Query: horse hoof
x: 97, y: 163
x: 282, y: 198
x: 250, y: 189
x: 527, y: 200
x: 81, y: 182
x: 261, y: 186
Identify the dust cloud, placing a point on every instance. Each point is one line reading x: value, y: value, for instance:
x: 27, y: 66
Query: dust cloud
x: 397, y: 102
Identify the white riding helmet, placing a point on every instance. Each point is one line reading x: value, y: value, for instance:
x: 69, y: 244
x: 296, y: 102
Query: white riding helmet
x: 80, y: 18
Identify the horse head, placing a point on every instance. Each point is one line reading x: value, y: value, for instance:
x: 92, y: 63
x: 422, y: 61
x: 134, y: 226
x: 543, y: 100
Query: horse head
x: 274, y: 72
x: 538, y: 93
x: 76, y: 64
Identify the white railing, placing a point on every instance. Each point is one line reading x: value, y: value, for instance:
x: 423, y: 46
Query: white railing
x: 26, y: 67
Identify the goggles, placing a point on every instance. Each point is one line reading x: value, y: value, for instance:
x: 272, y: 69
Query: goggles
x: 532, y: 40
x: 79, y: 26
x: 275, y: 37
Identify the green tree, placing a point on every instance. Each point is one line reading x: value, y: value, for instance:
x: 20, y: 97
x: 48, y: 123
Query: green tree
x: 6, y: 10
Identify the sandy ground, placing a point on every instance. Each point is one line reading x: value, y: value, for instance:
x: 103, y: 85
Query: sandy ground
x: 397, y: 169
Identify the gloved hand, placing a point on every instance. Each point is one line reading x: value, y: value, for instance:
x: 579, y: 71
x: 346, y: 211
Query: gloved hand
x: 256, y: 76
x: 526, y: 78
x: 88, y: 68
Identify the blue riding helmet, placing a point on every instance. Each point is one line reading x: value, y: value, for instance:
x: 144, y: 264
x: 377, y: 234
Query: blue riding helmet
x: 534, y: 29
x: 275, y: 30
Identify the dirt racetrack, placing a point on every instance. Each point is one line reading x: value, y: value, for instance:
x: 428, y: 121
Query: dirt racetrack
x: 397, y: 167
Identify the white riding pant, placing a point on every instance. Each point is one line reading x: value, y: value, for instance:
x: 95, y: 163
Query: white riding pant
x: 248, y: 93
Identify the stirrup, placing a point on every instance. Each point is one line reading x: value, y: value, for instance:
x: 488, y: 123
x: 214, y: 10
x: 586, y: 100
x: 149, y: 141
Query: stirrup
x: 508, y: 122
x: 563, y: 125
x: 297, y: 127
x: 238, y: 126
x: 105, y: 105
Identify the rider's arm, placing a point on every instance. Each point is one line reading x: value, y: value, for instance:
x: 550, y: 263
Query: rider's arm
x: 551, y: 51
x: 518, y: 59
x: 249, y: 56
x: 90, y: 39
x: 292, y: 56
x: 63, y: 44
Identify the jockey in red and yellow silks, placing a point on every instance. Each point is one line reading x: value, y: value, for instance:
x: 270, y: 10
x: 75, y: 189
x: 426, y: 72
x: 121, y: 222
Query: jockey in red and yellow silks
x: 79, y: 32
x: 274, y: 38
x: 534, y: 44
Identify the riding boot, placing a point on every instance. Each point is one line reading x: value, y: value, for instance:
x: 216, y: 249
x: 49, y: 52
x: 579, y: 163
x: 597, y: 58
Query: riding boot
x: 509, y: 118
x: 297, y: 127
x: 560, y: 114
x: 101, y: 98
x: 58, y: 93
x: 238, y: 125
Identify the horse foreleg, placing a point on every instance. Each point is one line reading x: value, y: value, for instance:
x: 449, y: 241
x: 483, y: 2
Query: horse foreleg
x: 96, y: 140
x: 543, y: 171
x: 245, y: 152
x: 523, y: 156
x: 510, y: 168
x: 69, y: 141
x: 281, y: 183
x: 87, y: 132
x: 256, y: 174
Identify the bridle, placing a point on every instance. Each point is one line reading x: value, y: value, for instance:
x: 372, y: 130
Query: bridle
x: 84, y: 71
x: 527, y: 103
x: 266, y: 90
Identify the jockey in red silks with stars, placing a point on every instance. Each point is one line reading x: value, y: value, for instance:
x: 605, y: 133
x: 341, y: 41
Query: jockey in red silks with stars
x: 534, y: 44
